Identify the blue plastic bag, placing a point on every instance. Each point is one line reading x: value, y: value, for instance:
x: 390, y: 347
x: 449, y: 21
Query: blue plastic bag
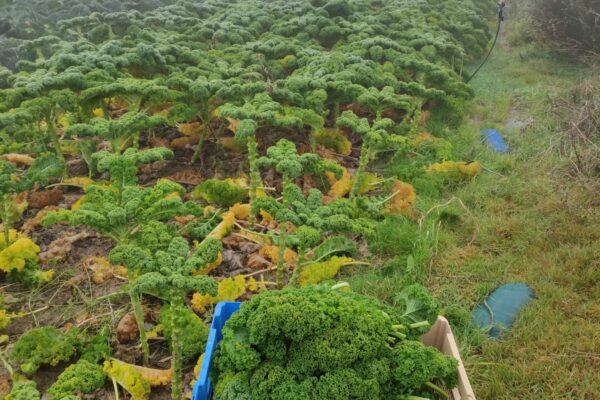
x: 495, y: 141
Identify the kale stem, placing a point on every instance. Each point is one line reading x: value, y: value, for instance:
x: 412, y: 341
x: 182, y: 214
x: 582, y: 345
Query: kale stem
x: 437, y: 389
x: 365, y: 155
x: 139, y: 318
x: 298, y: 269
x: 281, y: 255
x: 202, y: 135
x: 6, y: 203
x: 255, y: 179
x: 176, y: 364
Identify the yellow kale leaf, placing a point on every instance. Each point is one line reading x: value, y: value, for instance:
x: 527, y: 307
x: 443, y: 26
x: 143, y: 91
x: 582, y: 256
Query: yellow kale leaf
x: 16, y: 255
x: 339, y: 187
x: 322, y: 271
x: 128, y: 377
x: 403, y: 199
x: 272, y: 253
x: 230, y: 289
x: 333, y: 139
x: 225, y: 227
x: 455, y: 169
x: 241, y: 211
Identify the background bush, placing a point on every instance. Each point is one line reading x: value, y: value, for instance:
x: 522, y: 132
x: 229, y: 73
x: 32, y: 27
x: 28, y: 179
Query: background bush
x: 571, y: 25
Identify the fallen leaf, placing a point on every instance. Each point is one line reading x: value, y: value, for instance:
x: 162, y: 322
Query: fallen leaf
x: 45, y: 198
x: 78, y: 181
x: 230, y: 289
x: 233, y: 260
x: 33, y: 223
x: 127, y: 330
x: 233, y: 242
x: 233, y: 124
x: 59, y: 248
x: 184, y: 219
x: 325, y: 153
x: 231, y: 144
x: 190, y: 129
x: 183, y: 143
x: 272, y: 253
x: 241, y: 211
x: 155, y: 377
x: 128, y: 377
x: 102, y: 269
x: 158, y: 142
x: 21, y: 159
x: 257, y: 262
x: 403, y: 199
x: 186, y: 176
x: 4, y: 385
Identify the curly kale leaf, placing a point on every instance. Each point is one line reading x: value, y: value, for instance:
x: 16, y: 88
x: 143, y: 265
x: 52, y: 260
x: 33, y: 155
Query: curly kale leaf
x: 43, y: 346
x: 82, y: 377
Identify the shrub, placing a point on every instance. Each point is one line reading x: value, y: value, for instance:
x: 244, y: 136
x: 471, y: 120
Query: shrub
x: 572, y: 25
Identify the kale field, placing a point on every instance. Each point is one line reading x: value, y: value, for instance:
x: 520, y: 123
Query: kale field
x: 158, y: 157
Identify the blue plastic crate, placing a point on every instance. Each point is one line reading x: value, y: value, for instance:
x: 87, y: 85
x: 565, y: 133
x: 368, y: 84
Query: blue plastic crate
x: 223, y: 311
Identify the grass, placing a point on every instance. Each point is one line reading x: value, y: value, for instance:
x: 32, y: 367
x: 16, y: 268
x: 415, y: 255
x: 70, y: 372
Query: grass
x: 526, y: 222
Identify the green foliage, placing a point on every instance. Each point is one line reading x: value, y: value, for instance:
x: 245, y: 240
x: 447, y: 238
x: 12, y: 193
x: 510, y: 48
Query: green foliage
x: 317, y: 343
x: 284, y: 158
x: 96, y: 348
x: 194, y: 331
x: 394, y: 236
x: 167, y: 272
x: 120, y: 209
x: 24, y: 389
x: 83, y: 377
x: 43, y: 346
x: 14, y: 181
x: 221, y: 192
x: 416, y: 363
x: 335, y: 245
x: 571, y: 26
x: 200, y: 228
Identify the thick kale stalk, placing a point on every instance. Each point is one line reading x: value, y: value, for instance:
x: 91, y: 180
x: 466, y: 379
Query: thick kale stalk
x: 126, y: 212
x: 284, y: 158
x: 375, y: 136
x: 168, y: 274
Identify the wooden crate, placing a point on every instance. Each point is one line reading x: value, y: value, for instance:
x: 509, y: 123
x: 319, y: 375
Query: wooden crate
x: 440, y: 336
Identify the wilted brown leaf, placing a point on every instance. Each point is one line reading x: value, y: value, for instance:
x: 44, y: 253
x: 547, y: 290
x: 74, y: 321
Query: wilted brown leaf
x: 32, y: 223
x: 233, y: 124
x: 59, y: 248
x: 45, y: 198
x: 183, y: 143
x: 190, y: 129
x: 158, y: 142
x: 184, y: 219
x: 4, y: 385
x: 257, y: 262
x: 127, y: 330
x: 326, y: 153
x: 21, y: 159
x: 186, y: 176
x: 155, y: 377
x: 233, y: 242
x: 102, y: 269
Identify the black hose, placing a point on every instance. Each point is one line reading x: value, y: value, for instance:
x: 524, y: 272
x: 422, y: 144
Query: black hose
x: 500, y: 20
